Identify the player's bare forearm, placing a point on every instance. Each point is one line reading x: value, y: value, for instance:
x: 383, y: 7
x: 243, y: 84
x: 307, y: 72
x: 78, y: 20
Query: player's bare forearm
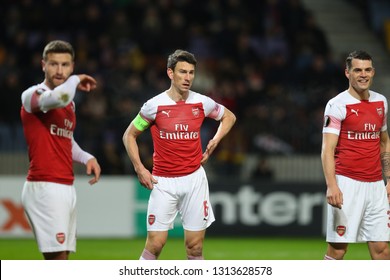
x: 333, y: 194
x: 385, y: 160
x: 227, y: 122
x: 388, y: 190
x: 385, y: 153
x: 131, y: 146
x: 130, y: 142
x: 225, y: 126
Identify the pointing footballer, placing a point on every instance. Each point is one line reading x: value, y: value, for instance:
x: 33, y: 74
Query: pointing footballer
x: 48, y: 118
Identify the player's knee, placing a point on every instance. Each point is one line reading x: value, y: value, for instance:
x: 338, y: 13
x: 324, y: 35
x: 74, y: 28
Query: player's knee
x: 195, y: 251
x: 155, y: 245
x: 380, y: 252
x: 194, y: 247
x: 337, y: 251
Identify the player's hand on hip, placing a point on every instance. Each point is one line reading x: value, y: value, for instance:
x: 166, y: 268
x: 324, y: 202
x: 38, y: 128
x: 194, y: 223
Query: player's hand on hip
x: 146, y: 179
x: 93, y: 167
x: 87, y: 83
x: 209, y: 150
x: 205, y: 157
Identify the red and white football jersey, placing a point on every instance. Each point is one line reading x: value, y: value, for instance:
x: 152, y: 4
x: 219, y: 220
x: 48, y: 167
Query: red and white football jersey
x: 175, y: 129
x: 358, y: 124
x: 49, y: 138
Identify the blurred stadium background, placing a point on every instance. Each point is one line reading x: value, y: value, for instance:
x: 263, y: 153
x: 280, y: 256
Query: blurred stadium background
x: 274, y: 63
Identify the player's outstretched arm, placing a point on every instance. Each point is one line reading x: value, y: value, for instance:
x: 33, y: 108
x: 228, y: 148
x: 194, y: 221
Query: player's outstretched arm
x: 41, y: 100
x: 87, y: 83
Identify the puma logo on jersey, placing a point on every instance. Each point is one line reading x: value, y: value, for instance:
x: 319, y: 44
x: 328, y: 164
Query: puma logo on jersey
x: 355, y: 111
x: 166, y: 113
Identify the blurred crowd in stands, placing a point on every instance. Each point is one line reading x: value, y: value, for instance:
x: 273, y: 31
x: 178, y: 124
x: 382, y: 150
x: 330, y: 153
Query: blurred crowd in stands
x: 266, y: 60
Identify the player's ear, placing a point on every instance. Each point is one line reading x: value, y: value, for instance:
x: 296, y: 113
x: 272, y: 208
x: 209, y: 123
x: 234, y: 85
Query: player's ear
x: 346, y: 73
x: 43, y: 64
x: 72, y: 68
x: 170, y: 73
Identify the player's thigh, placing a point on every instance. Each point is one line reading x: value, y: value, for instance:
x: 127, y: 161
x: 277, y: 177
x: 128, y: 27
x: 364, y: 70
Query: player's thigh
x: 375, y: 223
x: 51, y: 202
x: 344, y: 225
x: 162, y: 206
x: 51, y: 209
x: 195, y: 207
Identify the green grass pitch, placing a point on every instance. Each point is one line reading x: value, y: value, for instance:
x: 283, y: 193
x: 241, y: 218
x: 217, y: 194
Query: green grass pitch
x: 214, y: 249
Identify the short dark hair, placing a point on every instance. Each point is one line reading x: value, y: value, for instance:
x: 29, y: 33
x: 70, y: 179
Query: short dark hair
x: 180, y: 55
x: 58, y: 46
x: 362, y: 55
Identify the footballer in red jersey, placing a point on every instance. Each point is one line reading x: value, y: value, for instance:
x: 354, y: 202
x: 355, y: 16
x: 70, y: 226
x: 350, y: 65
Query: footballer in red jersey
x: 178, y: 182
x: 355, y: 156
x: 48, y: 118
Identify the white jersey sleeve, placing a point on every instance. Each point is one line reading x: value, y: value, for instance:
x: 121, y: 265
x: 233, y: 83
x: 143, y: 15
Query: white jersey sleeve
x: 212, y: 109
x: 41, y: 98
x: 336, y: 111
x: 78, y: 154
x: 384, y: 127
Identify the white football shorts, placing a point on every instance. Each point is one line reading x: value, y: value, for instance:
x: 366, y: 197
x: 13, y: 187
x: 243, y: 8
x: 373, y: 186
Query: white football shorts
x: 51, y: 211
x: 365, y: 214
x: 187, y: 195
